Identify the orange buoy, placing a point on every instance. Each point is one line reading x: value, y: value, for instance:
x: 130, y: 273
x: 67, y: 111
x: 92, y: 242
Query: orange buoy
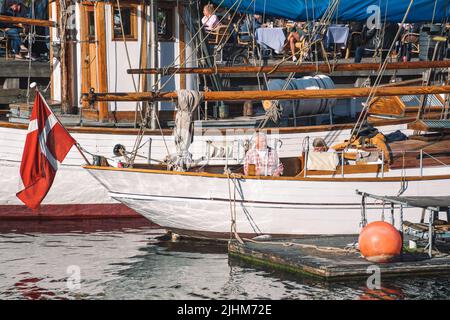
x: 380, y: 242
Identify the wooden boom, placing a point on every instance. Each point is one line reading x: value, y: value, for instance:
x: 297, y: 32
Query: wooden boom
x: 271, y: 95
x: 35, y: 22
x: 296, y: 68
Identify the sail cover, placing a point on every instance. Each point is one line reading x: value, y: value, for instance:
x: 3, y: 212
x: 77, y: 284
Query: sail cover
x: 347, y: 10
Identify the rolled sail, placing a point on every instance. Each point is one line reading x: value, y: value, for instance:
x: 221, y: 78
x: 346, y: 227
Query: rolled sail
x: 304, y: 107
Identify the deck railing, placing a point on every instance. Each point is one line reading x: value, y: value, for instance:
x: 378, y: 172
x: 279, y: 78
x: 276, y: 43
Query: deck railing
x: 394, y: 155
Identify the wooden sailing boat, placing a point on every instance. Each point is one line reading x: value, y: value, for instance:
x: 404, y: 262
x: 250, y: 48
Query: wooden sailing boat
x: 308, y: 199
x: 303, y: 201
x: 102, y: 140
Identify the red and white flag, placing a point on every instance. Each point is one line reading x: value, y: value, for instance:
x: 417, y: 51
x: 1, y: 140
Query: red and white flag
x: 47, y: 143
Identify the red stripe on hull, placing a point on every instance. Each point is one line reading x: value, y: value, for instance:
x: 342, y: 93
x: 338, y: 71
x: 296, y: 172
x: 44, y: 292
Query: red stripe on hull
x: 76, y: 225
x: 67, y: 211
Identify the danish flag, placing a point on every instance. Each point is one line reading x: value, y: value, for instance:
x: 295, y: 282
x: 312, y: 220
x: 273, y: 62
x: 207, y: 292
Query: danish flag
x: 46, y: 144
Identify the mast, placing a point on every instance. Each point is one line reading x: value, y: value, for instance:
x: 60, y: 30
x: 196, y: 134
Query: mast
x: 272, y: 94
x: 65, y: 56
x: 351, y: 67
x: 154, y: 56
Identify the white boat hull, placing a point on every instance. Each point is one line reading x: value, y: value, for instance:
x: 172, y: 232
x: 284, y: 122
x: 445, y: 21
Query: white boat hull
x: 200, y: 205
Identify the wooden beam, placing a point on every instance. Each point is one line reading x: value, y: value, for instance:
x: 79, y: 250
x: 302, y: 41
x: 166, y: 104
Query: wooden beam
x: 181, y: 44
x: 84, y: 37
x: 27, y: 21
x: 272, y: 95
x: 64, y: 59
x: 8, y: 96
x: 144, y: 46
x: 305, y: 68
x: 100, y: 29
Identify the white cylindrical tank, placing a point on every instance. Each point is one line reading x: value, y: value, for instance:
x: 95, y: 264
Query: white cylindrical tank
x: 304, y: 107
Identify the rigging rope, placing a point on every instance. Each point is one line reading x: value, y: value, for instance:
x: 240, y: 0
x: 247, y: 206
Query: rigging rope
x: 273, y: 112
x: 363, y: 115
x: 31, y: 36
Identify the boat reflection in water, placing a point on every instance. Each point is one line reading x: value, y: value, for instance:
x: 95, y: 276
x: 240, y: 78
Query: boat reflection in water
x: 73, y: 225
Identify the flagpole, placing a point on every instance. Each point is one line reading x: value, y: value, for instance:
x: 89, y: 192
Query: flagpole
x: 77, y: 145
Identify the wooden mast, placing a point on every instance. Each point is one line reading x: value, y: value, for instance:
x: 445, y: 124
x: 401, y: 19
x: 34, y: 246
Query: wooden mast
x: 273, y: 94
x: 154, y: 59
x: 351, y: 67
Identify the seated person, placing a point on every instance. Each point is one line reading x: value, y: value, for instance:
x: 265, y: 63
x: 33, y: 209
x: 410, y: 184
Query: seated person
x: 209, y: 20
x: 297, y: 34
x: 248, y: 27
x: 373, y: 40
x: 15, y: 8
x: 322, y: 158
x: 367, y: 36
x: 264, y: 159
x: 257, y: 21
x: 320, y: 145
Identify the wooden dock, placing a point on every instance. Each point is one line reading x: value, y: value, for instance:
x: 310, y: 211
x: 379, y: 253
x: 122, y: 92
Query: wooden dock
x: 331, y: 259
x: 20, y: 68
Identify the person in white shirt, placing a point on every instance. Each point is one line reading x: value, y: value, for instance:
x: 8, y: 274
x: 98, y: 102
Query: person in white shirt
x: 209, y: 20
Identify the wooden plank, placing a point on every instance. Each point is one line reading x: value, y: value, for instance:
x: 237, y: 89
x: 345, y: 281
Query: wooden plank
x: 100, y: 29
x: 181, y: 44
x: 144, y: 47
x: 387, y: 106
x: 84, y: 38
x: 305, y: 68
x: 19, y: 69
x: 281, y: 178
x: 222, y: 131
x: 8, y: 96
x: 27, y: 21
x: 325, y: 257
x: 272, y: 94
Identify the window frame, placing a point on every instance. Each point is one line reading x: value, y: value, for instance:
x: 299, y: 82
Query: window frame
x: 133, y: 21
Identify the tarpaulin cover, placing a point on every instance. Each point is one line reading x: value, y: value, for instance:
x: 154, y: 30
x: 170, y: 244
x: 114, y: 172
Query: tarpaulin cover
x: 347, y: 10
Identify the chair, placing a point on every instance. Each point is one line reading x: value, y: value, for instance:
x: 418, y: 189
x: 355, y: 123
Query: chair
x: 4, y: 43
x: 413, y: 39
x: 244, y: 39
x: 218, y: 38
x: 218, y: 34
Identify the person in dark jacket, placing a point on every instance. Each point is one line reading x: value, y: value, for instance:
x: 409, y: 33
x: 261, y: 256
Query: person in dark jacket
x: 374, y: 40
x: 365, y: 40
x: 15, y: 8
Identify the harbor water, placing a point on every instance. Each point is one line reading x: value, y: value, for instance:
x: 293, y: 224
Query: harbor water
x: 125, y: 260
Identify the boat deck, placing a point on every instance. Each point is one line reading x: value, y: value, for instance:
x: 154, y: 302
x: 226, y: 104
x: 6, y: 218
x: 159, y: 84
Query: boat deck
x: 328, y: 258
x: 406, y: 154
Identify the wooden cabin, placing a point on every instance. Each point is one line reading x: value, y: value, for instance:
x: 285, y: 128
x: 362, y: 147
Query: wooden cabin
x: 98, y: 54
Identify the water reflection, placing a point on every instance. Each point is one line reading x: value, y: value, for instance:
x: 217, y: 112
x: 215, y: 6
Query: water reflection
x: 127, y: 262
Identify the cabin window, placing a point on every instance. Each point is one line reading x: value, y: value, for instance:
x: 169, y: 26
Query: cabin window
x: 91, y: 24
x: 165, y: 24
x: 129, y: 22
